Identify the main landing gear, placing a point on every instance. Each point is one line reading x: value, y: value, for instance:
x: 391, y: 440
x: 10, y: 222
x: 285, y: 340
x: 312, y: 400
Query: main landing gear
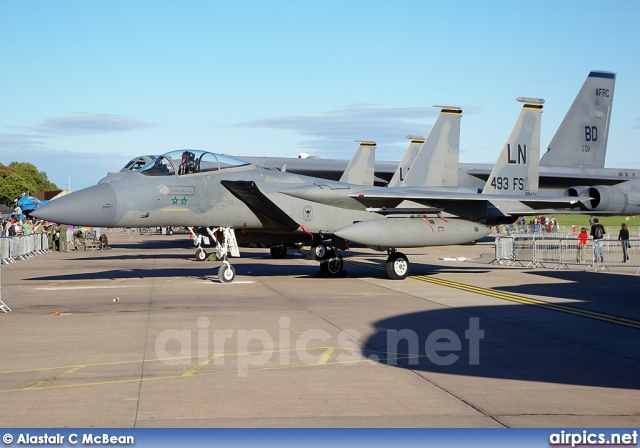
x: 331, y: 263
x: 278, y: 251
x: 397, y: 265
x: 318, y: 251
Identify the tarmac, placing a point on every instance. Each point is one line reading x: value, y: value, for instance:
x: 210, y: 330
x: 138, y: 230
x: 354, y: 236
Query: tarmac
x: 458, y: 344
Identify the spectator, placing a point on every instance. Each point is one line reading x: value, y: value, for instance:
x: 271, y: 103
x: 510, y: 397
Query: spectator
x: 623, y: 237
x: 26, y: 227
x: 597, y: 232
x: 582, y: 244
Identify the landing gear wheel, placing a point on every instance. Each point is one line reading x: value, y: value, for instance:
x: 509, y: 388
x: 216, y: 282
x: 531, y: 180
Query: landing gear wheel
x: 278, y: 251
x: 201, y: 255
x: 319, y: 251
x: 397, y: 266
x: 169, y: 231
x: 332, y: 264
x: 226, y: 273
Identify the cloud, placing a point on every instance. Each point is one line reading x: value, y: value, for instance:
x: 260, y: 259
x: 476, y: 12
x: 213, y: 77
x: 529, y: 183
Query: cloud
x: 85, y: 124
x: 28, y: 137
x: 20, y: 141
x: 329, y: 133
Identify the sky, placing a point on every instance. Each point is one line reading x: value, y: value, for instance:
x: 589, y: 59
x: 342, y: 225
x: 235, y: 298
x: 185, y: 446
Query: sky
x: 87, y: 86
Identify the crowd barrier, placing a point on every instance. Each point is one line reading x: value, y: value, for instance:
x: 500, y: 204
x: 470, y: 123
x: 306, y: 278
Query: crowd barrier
x: 563, y: 252
x: 23, y: 246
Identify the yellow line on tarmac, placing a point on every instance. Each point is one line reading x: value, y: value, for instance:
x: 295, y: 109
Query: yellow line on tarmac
x: 535, y: 302
x: 201, y: 365
x: 516, y: 298
x: 111, y: 363
x: 45, y: 384
x: 39, y: 384
x: 325, y: 356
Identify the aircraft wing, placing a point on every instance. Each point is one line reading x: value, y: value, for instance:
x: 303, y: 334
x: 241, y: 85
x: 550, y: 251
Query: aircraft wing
x: 557, y: 178
x: 392, y: 197
x: 269, y: 214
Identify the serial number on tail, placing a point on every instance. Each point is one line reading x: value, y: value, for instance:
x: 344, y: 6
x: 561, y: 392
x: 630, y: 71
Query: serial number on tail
x: 504, y: 183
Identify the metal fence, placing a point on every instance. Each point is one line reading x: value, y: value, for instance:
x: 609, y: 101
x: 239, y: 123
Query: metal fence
x: 23, y: 247
x: 563, y: 252
x: 566, y: 230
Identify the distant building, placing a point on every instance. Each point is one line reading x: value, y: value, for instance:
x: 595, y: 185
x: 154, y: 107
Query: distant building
x: 46, y: 196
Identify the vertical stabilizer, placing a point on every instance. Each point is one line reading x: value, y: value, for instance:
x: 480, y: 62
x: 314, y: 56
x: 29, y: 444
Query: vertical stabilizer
x: 437, y: 162
x: 517, y: 169
x: 408, y: 158
x: 362, y: 166
x: 581, y: 139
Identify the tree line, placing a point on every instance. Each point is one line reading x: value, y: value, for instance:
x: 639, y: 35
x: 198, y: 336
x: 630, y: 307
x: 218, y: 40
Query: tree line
x: 22, y: 177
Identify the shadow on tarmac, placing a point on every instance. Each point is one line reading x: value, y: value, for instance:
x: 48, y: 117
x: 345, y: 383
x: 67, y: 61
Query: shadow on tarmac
x: 504, y: 352
x: 542, y: 349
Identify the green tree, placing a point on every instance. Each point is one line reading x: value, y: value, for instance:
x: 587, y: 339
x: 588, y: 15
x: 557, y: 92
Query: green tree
x: 22, y: 177
x: 30, y: 172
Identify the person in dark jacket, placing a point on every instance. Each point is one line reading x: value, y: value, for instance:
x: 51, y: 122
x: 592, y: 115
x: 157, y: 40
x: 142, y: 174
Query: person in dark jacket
x: 598, y: 233
x: 623, y: 237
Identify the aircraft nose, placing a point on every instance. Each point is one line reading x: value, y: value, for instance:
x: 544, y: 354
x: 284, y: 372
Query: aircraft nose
x: 93, y: 206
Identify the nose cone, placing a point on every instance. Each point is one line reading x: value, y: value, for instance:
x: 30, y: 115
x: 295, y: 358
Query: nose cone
x: 93, y: 206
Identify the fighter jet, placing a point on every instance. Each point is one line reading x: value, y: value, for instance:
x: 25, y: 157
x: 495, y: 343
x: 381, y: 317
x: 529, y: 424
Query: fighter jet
x: 202, y: 189
x: 234, y: 196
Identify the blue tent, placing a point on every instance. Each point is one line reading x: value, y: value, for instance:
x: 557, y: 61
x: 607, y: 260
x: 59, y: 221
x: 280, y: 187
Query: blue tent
x: 29, y: 204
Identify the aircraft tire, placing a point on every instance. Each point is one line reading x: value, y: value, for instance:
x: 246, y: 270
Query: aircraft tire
x: 201, y: 255
x: 397, y: 266
x: 226, y: 273
x: 332, y: 264
x: 319, y: 251
x: 278, y: 251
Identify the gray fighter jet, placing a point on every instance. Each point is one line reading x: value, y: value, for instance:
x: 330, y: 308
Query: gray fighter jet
x: 201, y: 189
x: 247, y: 202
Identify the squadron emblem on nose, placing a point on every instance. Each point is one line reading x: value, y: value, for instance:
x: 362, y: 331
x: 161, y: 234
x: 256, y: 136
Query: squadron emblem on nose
x: 307, y: 213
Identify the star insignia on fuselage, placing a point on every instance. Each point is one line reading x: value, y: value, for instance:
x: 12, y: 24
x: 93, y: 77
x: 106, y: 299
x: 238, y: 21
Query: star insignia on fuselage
x: 183, y: 201
x: 174, y: 201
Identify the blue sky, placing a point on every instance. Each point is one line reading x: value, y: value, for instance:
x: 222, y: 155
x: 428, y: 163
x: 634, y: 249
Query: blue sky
x: 86, y: 86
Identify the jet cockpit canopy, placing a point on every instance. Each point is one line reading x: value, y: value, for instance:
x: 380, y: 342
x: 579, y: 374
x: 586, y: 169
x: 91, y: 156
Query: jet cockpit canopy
x: 189, y: 161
